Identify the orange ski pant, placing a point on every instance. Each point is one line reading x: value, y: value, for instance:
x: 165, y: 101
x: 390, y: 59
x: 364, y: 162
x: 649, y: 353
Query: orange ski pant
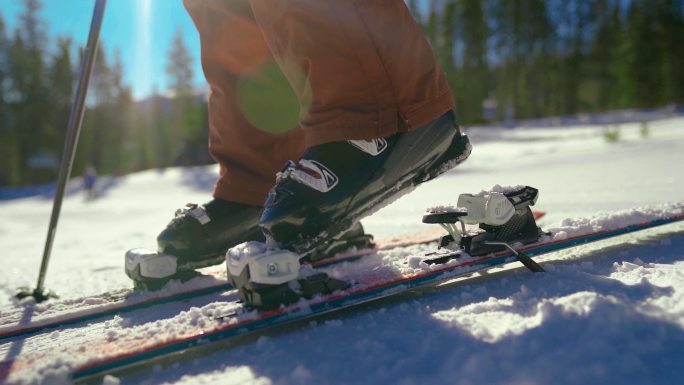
x: 285, y: 75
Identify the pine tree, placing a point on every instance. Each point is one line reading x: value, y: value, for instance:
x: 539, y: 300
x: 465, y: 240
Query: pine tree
x: 123, y: 119
x: 668, y: 17
x: 61, y: 79
x: 4, y: 63
x: 9, y: 168
x: 32, y: 26
x: 108, y: 141
x: 505, y: 21
x: 179, y: 67
x: 605, y: 57
x: 536, y: 39
x: 186, y: 120
x: 31, y: 106
x: 474, y: 84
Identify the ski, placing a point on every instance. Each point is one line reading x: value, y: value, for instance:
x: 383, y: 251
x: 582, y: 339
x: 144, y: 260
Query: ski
x: 74, y: 311
x: 371, y: 279
x: 61, y: 313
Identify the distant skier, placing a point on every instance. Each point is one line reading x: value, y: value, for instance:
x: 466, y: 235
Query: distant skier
x: 376, y: 119
x: 89, y: 182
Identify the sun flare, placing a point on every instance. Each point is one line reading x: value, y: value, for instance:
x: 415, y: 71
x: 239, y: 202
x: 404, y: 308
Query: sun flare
x: 143, y: 45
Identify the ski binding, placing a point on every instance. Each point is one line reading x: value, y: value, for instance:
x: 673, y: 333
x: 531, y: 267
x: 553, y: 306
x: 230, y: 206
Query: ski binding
x: 268, y: 277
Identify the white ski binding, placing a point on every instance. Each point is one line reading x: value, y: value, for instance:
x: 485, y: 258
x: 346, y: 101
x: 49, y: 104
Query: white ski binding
x: 502, y: 218
x: 150, y: 270
x: 267, y: 277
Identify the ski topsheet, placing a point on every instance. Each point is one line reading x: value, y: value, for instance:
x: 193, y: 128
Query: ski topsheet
x: 378, y: 276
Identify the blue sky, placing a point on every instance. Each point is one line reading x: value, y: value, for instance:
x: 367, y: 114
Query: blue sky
x: 141, y: 30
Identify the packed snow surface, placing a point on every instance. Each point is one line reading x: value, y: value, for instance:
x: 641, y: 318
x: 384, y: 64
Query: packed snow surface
x: 610, y: 312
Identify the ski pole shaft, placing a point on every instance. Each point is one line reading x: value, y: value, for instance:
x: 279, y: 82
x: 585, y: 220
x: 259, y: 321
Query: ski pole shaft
x: 73, y: 132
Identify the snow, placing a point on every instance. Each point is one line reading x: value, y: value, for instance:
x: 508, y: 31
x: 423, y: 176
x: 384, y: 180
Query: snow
x: 446, y: 209
x: 610, y: 312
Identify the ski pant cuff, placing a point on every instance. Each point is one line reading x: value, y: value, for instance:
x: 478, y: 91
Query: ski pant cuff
x: 389, y: 122
x: 249, y: 193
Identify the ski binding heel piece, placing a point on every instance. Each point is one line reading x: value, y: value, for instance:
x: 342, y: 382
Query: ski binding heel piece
x: 152, y: 270
x: 268, y: 277
x: 494, y: 209
x: 502, y: 219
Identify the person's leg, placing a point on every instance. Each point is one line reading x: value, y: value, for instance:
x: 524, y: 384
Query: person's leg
x: 361, y: 69
x: 236, y: 61
x: 376, y: 113
x: 253, y: 130
x: 235, y: 58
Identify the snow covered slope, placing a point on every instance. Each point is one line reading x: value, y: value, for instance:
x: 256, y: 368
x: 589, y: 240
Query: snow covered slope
x: 606, y: 313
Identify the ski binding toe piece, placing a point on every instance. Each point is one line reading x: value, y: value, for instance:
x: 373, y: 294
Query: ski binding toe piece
x: 268, y: 277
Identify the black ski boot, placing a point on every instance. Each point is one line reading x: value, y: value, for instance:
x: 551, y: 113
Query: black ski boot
x: 334, y: 185
x: 200, y: 235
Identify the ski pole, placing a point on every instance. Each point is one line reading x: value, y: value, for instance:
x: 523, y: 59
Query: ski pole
x: 73, y: 131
